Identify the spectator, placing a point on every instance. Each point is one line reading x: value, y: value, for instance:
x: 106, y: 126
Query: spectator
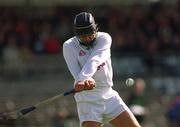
x: 136, y: 100
x: 173, y: 112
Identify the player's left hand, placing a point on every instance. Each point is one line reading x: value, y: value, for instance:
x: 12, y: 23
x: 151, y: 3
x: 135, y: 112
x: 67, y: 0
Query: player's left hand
x: 79, y: 86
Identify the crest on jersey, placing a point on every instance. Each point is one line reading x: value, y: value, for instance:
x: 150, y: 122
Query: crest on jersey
x: 82, y: 53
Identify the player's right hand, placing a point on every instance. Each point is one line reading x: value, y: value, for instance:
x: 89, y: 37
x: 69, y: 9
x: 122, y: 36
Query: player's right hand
x: 89, y: 84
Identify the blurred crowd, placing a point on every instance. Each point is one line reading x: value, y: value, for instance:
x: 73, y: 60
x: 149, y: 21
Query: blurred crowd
x: 143, y: 29
x: 148, y: 30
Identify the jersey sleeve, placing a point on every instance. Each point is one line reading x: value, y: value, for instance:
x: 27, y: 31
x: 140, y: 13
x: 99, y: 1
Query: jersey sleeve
x: 100, y: 54
x: 71, y: 60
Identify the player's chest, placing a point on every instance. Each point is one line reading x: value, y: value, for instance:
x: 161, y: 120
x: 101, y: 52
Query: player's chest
x: 83, y: 55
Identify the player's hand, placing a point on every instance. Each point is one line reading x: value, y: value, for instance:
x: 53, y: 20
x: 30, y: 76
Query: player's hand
x: 79, y: 86
x: 89, y: 84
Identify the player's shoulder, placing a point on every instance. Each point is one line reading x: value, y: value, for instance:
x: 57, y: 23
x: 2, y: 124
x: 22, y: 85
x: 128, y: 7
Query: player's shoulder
x: 104, y: 35
x: 70, y: 42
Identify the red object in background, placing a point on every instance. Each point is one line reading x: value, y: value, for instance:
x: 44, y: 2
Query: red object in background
x: 21, y: 27
x: 52, y: 45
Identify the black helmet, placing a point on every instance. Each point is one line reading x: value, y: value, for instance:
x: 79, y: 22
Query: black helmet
x: 84, y: 23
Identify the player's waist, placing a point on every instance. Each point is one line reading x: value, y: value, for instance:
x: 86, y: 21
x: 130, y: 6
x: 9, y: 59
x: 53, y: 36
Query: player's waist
x: 103, y: 83
x: 98, y: 93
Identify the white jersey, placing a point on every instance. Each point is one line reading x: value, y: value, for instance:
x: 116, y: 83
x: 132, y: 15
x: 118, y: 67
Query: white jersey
x: 94, y: 62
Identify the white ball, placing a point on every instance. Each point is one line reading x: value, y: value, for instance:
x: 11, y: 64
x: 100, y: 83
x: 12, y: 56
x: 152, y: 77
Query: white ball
x: 129, y: 82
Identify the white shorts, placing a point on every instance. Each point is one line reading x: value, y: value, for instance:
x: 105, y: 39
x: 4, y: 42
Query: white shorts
x: 103, y: 110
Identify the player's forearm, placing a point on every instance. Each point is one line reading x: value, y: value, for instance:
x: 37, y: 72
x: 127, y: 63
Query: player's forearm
x: 94, y: 63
